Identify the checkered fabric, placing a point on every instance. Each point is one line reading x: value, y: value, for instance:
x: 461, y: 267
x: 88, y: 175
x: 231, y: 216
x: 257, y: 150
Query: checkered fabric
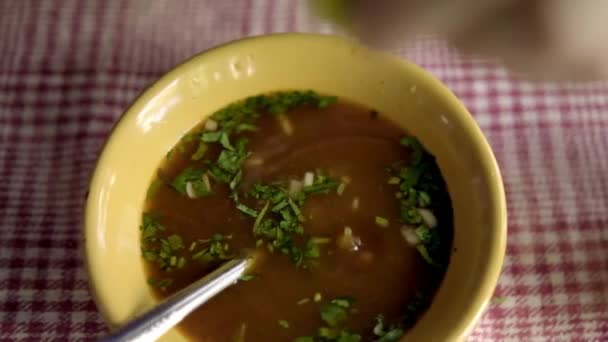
x: 68, y: 68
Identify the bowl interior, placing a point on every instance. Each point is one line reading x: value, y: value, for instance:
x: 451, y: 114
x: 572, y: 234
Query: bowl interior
x: 330, y: 65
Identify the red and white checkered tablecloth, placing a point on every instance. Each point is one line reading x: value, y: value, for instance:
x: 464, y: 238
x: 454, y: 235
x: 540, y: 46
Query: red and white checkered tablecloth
x: 68, y: 68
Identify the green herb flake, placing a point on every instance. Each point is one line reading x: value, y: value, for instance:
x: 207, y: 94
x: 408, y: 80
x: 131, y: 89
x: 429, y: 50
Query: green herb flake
x: 239, y: 336
x: 420, y: 186
x: 211, y: 137
x: 387, y: 334
x: 321, y: 240
x: 247, y: 210
x: 341, y: 188
x: 200, y: 152
x: 246, y: 277
x: 382, y: 222
x: 195, y: 177
x: 154, y: 187
x: 162, y: 284
x: 303, y: 301
x: 283, y: 323
x: 150, y: 227
x: 394, y: 180
x: 214, y: 249
x: 336, y: 311
x: 425, y: 254
x: 304, y: 339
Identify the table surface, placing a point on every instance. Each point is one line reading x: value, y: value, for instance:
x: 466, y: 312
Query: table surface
x: 69, y: 68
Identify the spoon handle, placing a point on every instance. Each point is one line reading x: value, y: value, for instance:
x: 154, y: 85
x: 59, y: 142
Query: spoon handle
x: 154, y: 323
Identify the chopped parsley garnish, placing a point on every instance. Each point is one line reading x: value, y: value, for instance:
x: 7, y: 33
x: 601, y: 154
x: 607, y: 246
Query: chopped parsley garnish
x: 162, y: 284
x: 303, y: 301
x: 387, y: 334
x: 246, y: 277
x: 283, y: 323
x: 341, y: 188
x: 150, y: 227
x: 336, y: 311
x: 161, y: 251
x: 247, y: 210
x: 420, y: 191
x: 334, y: 314
x: 216, y: 248
x: 280, y: 219
x: 191, y: 182
x: 322, y: 184
x: 200, y: 151
x: 154, y: 187
x: 304, y: 339
x: 240, y: 117
x: 382, y: 221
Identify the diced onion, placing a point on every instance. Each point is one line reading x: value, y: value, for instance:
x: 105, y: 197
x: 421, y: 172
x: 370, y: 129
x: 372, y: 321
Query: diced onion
x: 210, y: 125
x: 348, y: 241
x: 286, y: 125
x: 254, y: 161
x: 295, y: 186
x: 207, y: 182
x: 428, y: 217
x: 190, y: 190
x: 355, y: 203
x: 409, y: 234
x: 309, y: 178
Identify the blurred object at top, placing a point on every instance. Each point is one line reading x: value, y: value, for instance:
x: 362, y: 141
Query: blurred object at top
x: 542, y: 39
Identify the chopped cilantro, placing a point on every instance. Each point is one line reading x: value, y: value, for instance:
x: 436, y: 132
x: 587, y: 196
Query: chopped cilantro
x: 200, y: 151
x: 283, y: 323
x: 386, y: 334
x: 425, y: 254
x: 304, y: 339
x: 334, y: 314
x: 150, y: 227
x: 154, y: 187
x: 322, y: 184
x: 246, y: 277
x: 211, y: 137
x: 321, y: 240
x: 303, y: 301
x: 161, y: 251
x: 215, y: 248
x: 280, y: 220
x: 240, y: 117
x: 240, y: 334
x: 420, y: 187
x: 381, y: 221
x: 156, y: 249
x: 162, y: 284
x: 336, y: 311
x: 247, y: 210
x: 195, y: 177
x: 417, y: 151
x: 341, y: 188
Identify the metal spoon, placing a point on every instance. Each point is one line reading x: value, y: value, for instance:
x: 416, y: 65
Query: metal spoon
x: 154, y: 323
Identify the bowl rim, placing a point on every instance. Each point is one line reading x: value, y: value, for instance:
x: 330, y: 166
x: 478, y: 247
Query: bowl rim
x: 497, y: 247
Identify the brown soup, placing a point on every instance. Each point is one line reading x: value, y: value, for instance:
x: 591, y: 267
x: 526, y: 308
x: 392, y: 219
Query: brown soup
x: 350, y: 218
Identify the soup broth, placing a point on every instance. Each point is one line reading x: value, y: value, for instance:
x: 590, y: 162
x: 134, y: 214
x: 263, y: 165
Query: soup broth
x: 349, y: 217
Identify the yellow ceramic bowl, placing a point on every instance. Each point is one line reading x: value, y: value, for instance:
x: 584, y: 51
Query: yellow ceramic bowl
x: 330, y: 65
